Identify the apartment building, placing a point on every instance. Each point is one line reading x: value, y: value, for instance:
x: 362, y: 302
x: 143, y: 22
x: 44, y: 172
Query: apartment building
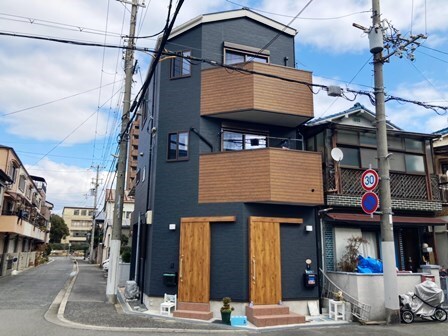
x: 25, y: 213
x: 79, y: 223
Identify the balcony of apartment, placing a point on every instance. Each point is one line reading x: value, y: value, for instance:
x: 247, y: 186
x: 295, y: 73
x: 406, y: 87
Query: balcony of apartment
x: 11, y: 223
x: 408, y: 191
x: 252, y: 97
x: 268, y: 175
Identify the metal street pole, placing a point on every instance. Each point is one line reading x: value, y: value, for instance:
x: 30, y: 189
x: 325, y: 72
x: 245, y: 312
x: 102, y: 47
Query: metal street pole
x: 95, y: 194
x: 391, y: 302
x: 115, y: 244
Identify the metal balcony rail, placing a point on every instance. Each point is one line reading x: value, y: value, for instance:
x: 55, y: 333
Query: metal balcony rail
x: 358, y: 309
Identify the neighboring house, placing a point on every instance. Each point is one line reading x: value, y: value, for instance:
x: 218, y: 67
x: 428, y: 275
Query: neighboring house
x: 226, y: 195
x: 25, y: 213
x: 79, y: 223
x: 414, y: 187
x: 440, y: 145
x: 109, y: 204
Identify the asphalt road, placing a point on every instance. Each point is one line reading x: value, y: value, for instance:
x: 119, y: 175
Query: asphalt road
x: 27, y: 297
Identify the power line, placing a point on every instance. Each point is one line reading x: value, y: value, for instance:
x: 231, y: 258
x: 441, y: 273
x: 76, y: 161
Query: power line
x: 301, y: 18
x: 54, y: 101
x: 53, y: 24
x: 139, y: 97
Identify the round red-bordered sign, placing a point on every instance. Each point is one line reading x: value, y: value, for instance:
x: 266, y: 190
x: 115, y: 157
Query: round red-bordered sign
x: 370, y: 202
x: 369, y: 179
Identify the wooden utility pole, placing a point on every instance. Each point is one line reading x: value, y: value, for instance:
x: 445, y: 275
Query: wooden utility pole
x: 115, y: 244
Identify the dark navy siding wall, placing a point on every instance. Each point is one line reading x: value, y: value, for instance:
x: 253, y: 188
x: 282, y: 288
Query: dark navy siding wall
x: 249, y: 33
x: 176, y: 183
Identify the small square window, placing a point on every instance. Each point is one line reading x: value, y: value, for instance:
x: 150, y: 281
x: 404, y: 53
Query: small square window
x: 181, y: 66
x: 178, y: 146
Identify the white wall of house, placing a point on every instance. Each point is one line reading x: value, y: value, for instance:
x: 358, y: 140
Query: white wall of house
x: 369, y: 288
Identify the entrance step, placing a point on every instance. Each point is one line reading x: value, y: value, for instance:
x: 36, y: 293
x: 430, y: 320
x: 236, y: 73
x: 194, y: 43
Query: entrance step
x: 272, y: 315
x: 193, y: 310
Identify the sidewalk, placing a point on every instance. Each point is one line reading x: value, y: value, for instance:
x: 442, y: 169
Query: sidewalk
x: 85, y: 303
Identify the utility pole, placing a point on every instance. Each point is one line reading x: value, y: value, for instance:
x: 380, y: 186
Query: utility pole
x: 95, y: 195
x: 391, y: 303
x: 115, y: 244
x: 395, y: 44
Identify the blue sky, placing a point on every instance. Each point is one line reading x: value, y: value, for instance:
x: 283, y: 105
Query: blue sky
x: 60, y: 105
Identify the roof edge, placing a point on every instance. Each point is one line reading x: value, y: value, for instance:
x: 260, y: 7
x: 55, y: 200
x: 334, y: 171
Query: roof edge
x: 228, y: 15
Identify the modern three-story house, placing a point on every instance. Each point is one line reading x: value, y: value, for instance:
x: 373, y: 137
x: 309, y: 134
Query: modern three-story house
x: 226, y: 196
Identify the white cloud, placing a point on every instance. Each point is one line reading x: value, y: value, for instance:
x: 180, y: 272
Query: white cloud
x: 68, y: 185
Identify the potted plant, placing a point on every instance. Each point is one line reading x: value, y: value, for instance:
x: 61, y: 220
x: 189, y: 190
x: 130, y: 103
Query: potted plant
x: 226, y: 310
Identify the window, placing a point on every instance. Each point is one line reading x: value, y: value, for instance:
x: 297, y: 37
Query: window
x: 413, y: 145
x: 76, y: 212
x: 22, y: 183
x: 83, y: 212
x: 234, y: 57
x: 178, y: 146
x: 367, y: 139
x: 234, y: 141
x: 13, y: 171
x: 91, y: 213
x: 180, y: 66
x: 351, y: 157
x: 349, y: 138
x: 369, y: 158
x: 414, y: 163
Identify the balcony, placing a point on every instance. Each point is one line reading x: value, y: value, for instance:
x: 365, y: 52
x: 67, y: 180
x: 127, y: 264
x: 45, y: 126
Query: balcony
x: 408, y: 191
x: 22, y: 227
x: 230, y: 94
x: 269, y: 175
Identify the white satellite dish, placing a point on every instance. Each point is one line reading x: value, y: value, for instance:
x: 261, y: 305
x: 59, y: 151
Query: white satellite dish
x: 337, y: 154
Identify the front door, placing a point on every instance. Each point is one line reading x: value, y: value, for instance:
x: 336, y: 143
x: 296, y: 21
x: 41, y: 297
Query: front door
x: 194, y: 262
x: 265, y: 258
x: 194, y: 257
x: 265, y: 263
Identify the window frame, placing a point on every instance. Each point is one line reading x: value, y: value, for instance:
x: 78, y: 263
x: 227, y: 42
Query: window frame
x: 243, y: 133
x: 173, y: 75
x: 246, y: 51
x: 184, y: 158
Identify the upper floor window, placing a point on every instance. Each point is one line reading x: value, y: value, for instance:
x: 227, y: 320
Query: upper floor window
x: 233, y: 57
x: 234, y: 140
x: 76, y: 212
x: 181, y: 66
x: 178, y: 146
x: 237, y: 53
x: 13, y: 169
x: 22, y: 183
x: 83, y: 212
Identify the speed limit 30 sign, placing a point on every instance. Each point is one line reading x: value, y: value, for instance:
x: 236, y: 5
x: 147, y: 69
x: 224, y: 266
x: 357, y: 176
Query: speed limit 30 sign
x: 369, y: 179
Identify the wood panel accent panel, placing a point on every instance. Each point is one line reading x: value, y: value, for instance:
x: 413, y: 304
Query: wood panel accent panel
x: 194, y: 262
x: 209, y: 219
x: 280, y: 220
x: 224, y: 90
x: 265, y: 263
x: 269, y: 175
